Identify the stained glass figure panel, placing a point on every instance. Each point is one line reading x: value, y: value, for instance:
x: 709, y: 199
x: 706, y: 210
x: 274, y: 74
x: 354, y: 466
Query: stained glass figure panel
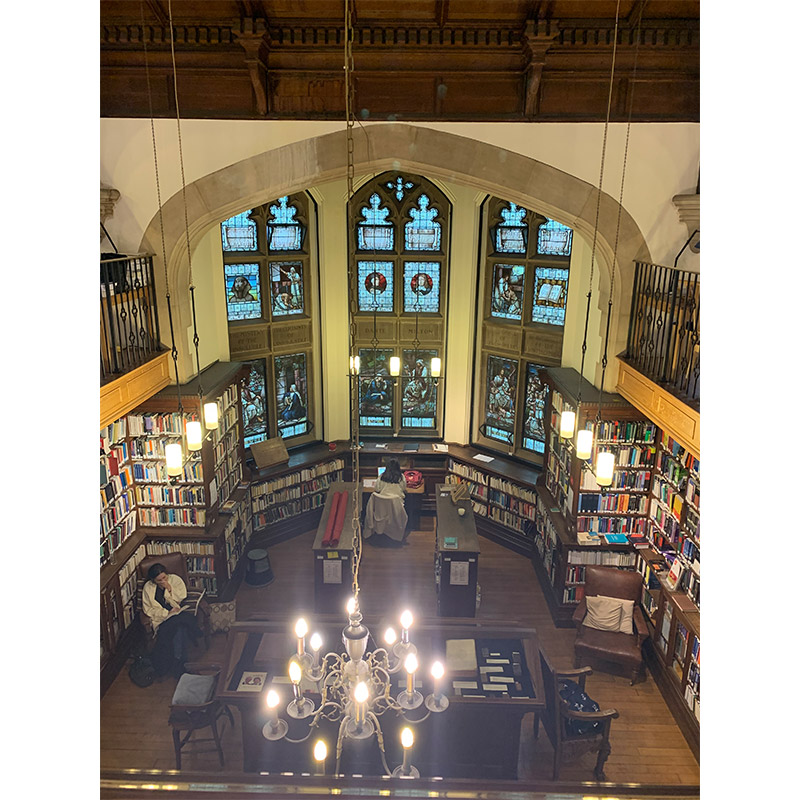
x: 554, y: 239
x: 283, y: 231
x: 375, y: 232
x: 501, y: 391
x: 423, y: 232
x: 419, y: 389
x: 511, y: 235
x: 421, y: 286
x: 376, y: 389
x: 508, y: 285
x: 535, y: 403
x: 286, y: 283
x: 243, y: 291
x: 254, y: 403
x: 550, y: 295
x: 239, y: 234
x: 375, y: 286
x: 291, y: 392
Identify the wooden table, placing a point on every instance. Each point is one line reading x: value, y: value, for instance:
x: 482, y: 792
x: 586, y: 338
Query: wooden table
x: 333, y: 566
x: 412, y: 503
x: 475, y: 737
x: 456, y: 568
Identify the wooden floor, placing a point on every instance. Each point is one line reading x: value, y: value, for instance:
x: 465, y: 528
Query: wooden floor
x: 647, y: 745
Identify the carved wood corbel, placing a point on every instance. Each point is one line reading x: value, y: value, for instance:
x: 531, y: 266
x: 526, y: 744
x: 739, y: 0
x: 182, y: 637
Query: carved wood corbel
x: 538, y: 39
x: 254, y: 39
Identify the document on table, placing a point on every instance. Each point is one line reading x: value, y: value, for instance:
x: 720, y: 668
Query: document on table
x: 482, y: 457
x: 332, y: 571
x: 460, y: 655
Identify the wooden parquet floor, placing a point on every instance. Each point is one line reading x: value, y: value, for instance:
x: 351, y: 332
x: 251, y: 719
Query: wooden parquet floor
x: 647, y: 745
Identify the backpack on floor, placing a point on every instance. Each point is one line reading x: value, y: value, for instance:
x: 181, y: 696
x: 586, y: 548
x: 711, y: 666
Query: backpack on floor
x: 142, y: 672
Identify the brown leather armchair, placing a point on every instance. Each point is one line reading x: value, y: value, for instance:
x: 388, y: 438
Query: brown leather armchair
x: 619, y: 648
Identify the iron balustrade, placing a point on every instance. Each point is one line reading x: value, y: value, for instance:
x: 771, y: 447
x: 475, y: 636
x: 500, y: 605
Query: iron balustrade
x: 129, y: 331
x: 664, y: 329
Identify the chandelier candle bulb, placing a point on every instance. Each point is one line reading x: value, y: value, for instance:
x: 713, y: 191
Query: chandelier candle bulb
x: 295, y: 674
x: 406, y: 620
x: 320, y: 754
x: 360, y: 695
x: 583, y: 447
x: 411, y: 668
x: 390, y: 636
x: 567, y: 428
x: 275, y: 728
x: 300, y: 631
x: 272, y: 706
x: 316, y: 643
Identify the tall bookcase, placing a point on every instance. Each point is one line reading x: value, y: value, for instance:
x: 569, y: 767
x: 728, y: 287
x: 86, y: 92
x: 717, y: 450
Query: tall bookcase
x: 576, y: 521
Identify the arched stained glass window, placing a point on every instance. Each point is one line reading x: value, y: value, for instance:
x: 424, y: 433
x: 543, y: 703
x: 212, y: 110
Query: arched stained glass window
x: 501, y: 393
x: 508, y: 291
x: 286, y: 279
x: 511, y: 235
x: 421, y: 286
x: 376, y: 389
x: 243, y: 291
x: 375, y: 286
x: 239, y: 234
x: 554, y: 239
x: 291, y: 384
x: 375, y: 232
x: 254, y: 403
x: 283, y: 231
x: 423, y: 232
x: 418, y: 389
x: 535, y: 404
x: 550, y: 295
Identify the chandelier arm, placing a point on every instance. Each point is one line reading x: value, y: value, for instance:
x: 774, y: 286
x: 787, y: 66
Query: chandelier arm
x: 379, y: 735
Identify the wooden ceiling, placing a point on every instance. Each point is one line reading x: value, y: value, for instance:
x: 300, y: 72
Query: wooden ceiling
x: 455, y: 60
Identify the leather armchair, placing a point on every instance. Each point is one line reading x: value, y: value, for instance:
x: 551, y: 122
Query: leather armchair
x: 593, y: 645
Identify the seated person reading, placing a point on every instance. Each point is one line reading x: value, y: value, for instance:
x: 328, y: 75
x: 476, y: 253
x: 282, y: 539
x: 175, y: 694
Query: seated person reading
x: 386, y: 517
x: 392, y: 482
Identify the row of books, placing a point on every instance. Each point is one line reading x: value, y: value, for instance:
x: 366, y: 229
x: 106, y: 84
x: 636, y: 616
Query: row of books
x: 630, y: 480
x: 159, y: 424
x: 508, y: 519
x: 668, y: 495
x: 468, y: 472
x: 479, y: 508
x: 616, y: 503
x: 560, y: 405
x: 195, y: 517
x: 573, y: 594
x: 607, y: 558
x: 476, y: 490
x: 512, y: 489
x: 286, y: 510
x: 591, y: 524
x: 679, y: 452
x: 634, y: 456
x: 156, y: 495
x: 513, y: 504
x: 625, y: 431
x: 203, y: 564
x: 114, y: 487
x: 114, y: 538
x: 227, y: 447
x: 672, y: 469
x: 162, y: 547
x: 292, y: 478
x: 115, y: 431
x: 664, y: 520
x: 113, y: 514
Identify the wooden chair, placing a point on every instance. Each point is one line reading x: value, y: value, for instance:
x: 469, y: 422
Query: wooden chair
x: 195, y: 706
x: 619, y: 648
x: 174, y: 563
x: 560, y: 721
x: 385, y: 516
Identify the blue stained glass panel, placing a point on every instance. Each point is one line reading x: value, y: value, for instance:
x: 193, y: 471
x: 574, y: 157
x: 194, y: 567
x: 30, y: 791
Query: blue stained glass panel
x: 375, y: 286
x: 291, y: 391
x: 535, y: 403
x: 375, y: 232
x: 508, y: 285
x: 550, y: 295
x: 501, y: 391
x: 286, y: 279
x: 423, y: 232
x: 421, y: 286
x: 283, y: 231
x: 376, y: 388
x: 239, y: 234
x: 554, y: 239
x: 243, y: 291
x: 511, y: 235
x: 254, y: 403
x: 419, y: 389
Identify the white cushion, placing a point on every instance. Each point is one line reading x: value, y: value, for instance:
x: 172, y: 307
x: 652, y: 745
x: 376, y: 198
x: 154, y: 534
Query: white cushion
x: 193, y: 690
x: 609, y: 614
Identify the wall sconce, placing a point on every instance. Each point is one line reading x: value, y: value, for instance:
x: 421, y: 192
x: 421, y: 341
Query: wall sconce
x: 194, y: 435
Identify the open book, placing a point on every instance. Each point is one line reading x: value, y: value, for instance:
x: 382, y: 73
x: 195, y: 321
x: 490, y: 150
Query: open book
x: 550, y: 292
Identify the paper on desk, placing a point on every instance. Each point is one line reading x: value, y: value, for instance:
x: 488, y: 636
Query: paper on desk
x: 460, y: 655
x: 482, y: 457
x: 369, y: 483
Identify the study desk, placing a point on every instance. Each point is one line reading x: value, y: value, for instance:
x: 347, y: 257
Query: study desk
x: 477, y: 736
x: 412, y: 501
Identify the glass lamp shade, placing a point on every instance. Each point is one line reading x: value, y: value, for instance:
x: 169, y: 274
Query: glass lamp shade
x: 567, y: 428
x: 211, y: 416
x: 605, y: 469
x: 174, y: 454
x: 194, y: 435
x: 583, y: 446
x: 394, y: 366
x: 436, y: 367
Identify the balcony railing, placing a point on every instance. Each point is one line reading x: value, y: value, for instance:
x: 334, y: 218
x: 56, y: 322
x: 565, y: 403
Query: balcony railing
x: 664, y: 331
x: 129, y: 332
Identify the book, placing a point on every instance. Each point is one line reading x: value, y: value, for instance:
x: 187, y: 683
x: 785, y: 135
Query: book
x: 675, y: 574
x: 252, y: 682
x: 615, y: 538
x: 410, y: 448
x: 450, y: 543
x: 440, y: 448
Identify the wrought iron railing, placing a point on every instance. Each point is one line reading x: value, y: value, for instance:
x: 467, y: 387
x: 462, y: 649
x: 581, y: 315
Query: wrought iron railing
x: 664, y: 330
x: 129, y: 332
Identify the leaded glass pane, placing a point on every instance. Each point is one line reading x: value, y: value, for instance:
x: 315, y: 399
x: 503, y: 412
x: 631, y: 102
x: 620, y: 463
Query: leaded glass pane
x: 375, y: 286
x: 535, y: 402
x: 423, y: 233
x: 419, y: 389
x: 286, y: 278
x: 550, y: 295
x: 239, y: 234
x: 555, y: 239
x: 291, y: 393
x: 283, y: 231
x: 254, y: 403
x: 399, y: 185
x: 501, y: 389
x: 376, y: 389
x: 243, y: 291
x: 421, y: 286
x: 508, y: 284
x: 375, y: 233
x: 511, y: 235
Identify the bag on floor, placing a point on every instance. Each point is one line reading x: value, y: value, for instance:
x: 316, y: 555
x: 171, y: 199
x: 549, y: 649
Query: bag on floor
x: 142, y: 672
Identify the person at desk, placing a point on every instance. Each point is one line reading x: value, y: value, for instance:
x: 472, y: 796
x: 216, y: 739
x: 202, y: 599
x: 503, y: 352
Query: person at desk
x: 174, y: 625
x: 386, y: 518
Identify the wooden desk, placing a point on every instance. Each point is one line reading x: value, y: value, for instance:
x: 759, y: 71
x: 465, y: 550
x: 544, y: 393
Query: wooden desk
x: 456, y: 569
x: 333, y: 566
x: 412, y: 502
x: 475, y: 737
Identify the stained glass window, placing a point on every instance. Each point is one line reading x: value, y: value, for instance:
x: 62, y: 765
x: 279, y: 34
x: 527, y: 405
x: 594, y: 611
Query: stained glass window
x: 511, y: 235
x: 508, y: 284
x: 554, y: 239
x: 535, y: 402
x: 399, y: 185
x: 421, y: 286
x: 239, y: 233
x: 290, y: 391
x: 375, y: 232
x: 286, y: 279
x: 376, y: 389
x: 243, y: 291
x: 423, y: 232
x: 283, y: 231
x: 419, y: 389
x: 375, y: 286
x: 501, y: 391
x: 254, y: 403
x: 550, y: 295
